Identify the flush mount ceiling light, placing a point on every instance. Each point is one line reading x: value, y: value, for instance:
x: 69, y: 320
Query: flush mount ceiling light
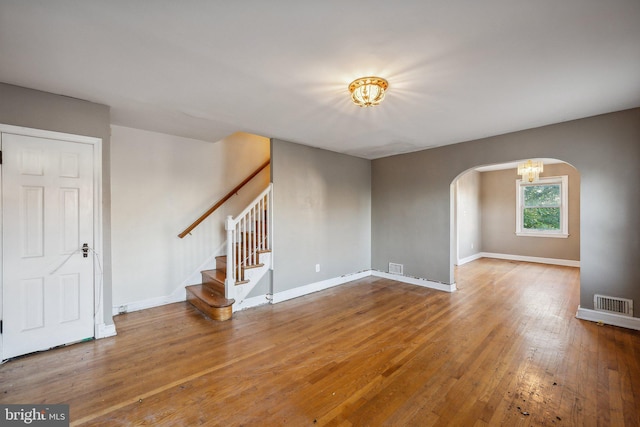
x: 368, y: 91
x: 531, y: 170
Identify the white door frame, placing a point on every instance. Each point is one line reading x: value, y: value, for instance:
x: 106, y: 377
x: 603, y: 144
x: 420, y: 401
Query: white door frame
x: 101, y: 330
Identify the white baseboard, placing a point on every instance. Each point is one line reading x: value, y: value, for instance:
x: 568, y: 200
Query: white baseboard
x: 469, y: 259
x: 102, y: 330
x: 446, y: 287
x: 317, y: 286
x: 608, y: 318
x: 336, y: 281
x: 540, y: 260
x: 178, y: 295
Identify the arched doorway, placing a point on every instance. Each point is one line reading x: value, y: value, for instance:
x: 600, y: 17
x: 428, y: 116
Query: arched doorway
x: 486, y: 210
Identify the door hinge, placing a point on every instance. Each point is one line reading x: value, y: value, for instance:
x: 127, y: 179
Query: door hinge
x: 0, y: 157
x: 1, y: 326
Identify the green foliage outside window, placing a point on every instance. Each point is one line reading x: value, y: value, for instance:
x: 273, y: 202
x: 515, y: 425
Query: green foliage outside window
x: 541, y: 207
x: 541, y: 218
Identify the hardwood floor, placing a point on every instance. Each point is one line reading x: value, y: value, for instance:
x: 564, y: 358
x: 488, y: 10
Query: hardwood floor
x: 505, y: 349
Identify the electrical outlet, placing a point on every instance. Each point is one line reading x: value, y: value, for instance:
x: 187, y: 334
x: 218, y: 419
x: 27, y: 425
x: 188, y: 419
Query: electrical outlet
x: 317, y: 268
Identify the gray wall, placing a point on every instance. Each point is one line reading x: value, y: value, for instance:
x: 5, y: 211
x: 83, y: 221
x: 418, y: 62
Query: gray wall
x: 498, y: 198
x: 322, y: 214
x: 41, y: 110
x: 411, y: 199
x: 469, y: 214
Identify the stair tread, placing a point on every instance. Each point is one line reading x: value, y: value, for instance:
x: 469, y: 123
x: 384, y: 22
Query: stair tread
x: 246, y: 267
x: 210, y: 297
x: 214, y: 275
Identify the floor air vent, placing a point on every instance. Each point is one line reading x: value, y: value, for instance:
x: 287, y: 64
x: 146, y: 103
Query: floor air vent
x: 620, y: 306
x: 395, y: 268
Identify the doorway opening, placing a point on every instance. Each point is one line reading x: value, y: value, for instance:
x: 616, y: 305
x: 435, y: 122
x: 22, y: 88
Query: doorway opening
x: 485, y: 217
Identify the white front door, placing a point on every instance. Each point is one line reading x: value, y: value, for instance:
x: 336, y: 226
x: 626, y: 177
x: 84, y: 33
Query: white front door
x: 47, y: 216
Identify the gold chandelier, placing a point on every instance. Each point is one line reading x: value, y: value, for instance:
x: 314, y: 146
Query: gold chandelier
x: 531, y: 170
x: 368, y: 91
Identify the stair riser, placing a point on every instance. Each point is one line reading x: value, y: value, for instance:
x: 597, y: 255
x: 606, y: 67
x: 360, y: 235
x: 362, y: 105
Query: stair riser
x: 215, y: 287
x: 221, y: 264
x: 215, y: 282
x: 215, y: 313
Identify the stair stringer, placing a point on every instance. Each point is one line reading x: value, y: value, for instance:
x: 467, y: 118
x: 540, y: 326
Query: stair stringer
x: 252, y: 276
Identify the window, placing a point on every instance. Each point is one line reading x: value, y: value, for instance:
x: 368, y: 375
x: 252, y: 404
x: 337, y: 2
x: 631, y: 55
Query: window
x: 542, y: 207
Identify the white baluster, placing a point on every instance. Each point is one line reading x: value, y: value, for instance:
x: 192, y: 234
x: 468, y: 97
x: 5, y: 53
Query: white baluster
x: 243, y: 262
x: 250, y: 242
x: 256, y: 213
x: 261, y: 223
x: 231, y: 236
x: 254, y: 237
x: 268, y: 220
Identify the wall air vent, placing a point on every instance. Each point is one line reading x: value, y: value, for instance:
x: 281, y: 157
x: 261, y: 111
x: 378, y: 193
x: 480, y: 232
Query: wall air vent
x: 620, y: 306
x: 395, y: 268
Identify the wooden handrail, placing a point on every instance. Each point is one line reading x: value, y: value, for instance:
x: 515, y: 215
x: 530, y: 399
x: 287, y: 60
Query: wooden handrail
x: 224, y: 199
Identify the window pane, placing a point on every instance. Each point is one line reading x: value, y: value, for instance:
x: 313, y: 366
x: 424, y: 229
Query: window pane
x: 541, y: 218
x: 542, y: 195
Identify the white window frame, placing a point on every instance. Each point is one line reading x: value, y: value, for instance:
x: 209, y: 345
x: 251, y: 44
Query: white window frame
x: 563, y: 233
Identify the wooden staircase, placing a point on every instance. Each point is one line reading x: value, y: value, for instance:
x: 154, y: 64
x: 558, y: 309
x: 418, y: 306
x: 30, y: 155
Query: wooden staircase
x: 209, y: 297
x: 248, y: 242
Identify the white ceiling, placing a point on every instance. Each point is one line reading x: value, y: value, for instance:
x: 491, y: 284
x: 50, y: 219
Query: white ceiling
x: 458, y: 70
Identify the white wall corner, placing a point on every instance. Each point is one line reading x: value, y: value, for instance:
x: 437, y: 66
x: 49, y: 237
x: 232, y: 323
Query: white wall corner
x: 318, y: 286
x: 102, y: 330
x: 469, y: 259
x: 446, y: 287
x: 608, y: 318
